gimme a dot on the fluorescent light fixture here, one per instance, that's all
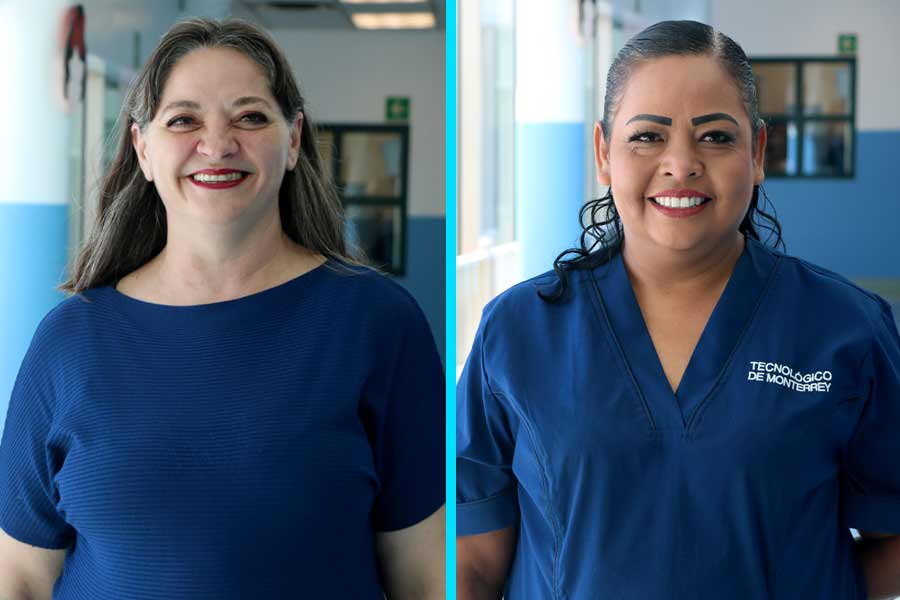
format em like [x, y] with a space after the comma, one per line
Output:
[406, 20]
[384, 1]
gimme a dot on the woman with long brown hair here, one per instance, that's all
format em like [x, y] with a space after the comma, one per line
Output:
[228, 406]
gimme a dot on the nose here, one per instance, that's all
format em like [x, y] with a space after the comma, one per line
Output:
[218, 142]
[681, 161]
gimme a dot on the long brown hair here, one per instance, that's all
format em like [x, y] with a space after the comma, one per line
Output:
[130, 227]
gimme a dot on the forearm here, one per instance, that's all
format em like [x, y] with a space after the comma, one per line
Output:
[431, 588]
[12, 585]
[432, 593]
[880, 560]
[13, 590]
[469, 586]
[418, 576]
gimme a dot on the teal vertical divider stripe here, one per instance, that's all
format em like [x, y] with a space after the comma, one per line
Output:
[33, 240]
[450, 362]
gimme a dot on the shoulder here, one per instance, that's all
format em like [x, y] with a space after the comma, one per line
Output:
[58, 335]
[66, 319]
[522, 314]
[528, 298]
[825, 292]
[374, 307]
[824, 307]
[365, 289]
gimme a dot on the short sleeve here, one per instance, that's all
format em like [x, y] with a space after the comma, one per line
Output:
[486, 488]
[872, 483]
[28, 460]
[408, 425]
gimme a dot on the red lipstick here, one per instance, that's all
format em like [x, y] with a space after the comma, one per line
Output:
[218, 185]
[680, 212]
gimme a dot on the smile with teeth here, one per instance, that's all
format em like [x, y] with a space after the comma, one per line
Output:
[205, 177]
[672, 202]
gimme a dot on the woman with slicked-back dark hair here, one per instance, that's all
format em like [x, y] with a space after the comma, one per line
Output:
[679, 409]
[228, 405]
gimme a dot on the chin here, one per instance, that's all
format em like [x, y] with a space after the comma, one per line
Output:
[222, 214]
[682, 241]
[678, 240]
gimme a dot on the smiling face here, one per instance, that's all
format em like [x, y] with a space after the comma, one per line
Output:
[680, 125]
[217, 112]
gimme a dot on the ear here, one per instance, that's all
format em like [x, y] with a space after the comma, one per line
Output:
[140, 148]
[294, 149]
[601, 155]
[759, 157]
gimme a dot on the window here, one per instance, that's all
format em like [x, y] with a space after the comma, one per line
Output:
[93, 144]
[369, 167]
[487, 259]
[487, 124]
[809, 106]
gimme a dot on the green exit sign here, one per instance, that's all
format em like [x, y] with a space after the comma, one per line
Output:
[396, 108]
[847, 43]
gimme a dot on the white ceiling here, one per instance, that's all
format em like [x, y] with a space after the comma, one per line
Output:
[319, 14]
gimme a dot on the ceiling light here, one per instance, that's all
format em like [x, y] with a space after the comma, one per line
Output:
[408, 20]
[384, 1]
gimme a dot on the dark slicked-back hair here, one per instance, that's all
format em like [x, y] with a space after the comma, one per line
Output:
[602, 234]
[130, 227]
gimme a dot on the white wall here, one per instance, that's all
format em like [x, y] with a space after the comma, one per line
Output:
[661, 10]
[111, 25]
[811, 27]
[346, 76]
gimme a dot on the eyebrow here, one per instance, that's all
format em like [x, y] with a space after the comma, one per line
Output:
[695, 121]
[243, 101]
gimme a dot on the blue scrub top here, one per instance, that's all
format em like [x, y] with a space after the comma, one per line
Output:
[784, 432]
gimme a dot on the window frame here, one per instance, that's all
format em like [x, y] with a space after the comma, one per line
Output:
[401, 201]
[801, 120]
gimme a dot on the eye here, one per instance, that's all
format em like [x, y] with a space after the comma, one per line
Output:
[180, 122]
[255, 118]
[646, 137]
[720, 137]
[643, 134]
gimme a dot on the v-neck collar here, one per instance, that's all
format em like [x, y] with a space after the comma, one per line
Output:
[732, 315]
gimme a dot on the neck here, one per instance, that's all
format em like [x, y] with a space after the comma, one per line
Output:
[215, 263]
[687, 274]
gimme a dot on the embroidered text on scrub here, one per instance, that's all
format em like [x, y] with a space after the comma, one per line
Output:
[770, 372]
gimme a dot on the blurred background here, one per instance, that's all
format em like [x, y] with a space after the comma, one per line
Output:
[532, 77]
[373, 76]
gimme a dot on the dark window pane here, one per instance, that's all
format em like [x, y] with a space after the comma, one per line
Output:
[826, 148]
[376, 230]
[826, 88]
[781, 148]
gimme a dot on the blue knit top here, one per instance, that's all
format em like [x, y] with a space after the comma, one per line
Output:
[242, 449]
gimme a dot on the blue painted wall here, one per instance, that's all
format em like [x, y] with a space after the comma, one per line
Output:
[425, 278]
[549, 191]
[849, 226]
[33, 241]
